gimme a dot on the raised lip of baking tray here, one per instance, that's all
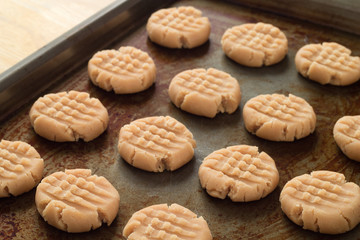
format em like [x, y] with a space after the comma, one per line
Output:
[40, 70]
[338, 14]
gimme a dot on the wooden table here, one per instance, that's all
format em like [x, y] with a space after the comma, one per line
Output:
[28, 25]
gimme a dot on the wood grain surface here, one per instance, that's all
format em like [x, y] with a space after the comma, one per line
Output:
[28, 25]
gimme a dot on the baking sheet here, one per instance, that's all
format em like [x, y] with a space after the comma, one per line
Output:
[339, 14]
[261, 219]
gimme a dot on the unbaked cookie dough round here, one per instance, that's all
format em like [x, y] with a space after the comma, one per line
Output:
[166, 222]
[255, 44]
[328, 63]
[205, 92]
[322, 202]
[156, 143]
[182, 27]
[277, 117]
[347, 136]
[68, 116]
[76, 201]
[240, 172]
[21, 168]
[127, 70]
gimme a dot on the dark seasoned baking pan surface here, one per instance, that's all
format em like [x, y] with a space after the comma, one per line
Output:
[262, 219]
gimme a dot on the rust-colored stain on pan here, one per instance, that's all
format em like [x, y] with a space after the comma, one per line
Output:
[261, 219]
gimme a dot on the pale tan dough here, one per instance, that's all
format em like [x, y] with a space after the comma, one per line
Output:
[347, 136]
[127, 70]
[277, 117]
[76, 201]
[156, 143]
[68, 116]
[182, 27]
[166, 222]
[21, 168]
[322, 202]
[240, 172]
[328, 63]
[255, 44]
[205, 92]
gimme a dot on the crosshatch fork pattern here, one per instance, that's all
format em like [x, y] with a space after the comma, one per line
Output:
[123, 62]
[156, 143]
[21, 168]
[258, 36]
[322, 202]
[156, 135]
[281, 107]
[350, 127]
[207, 82]
[317, 192]
[240, 165]
[239, 172]
[76, 201]
[15, 158]
[69, 108]
[78, 192]
[331, 55]
[183, 19]
[166, 222]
